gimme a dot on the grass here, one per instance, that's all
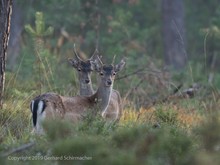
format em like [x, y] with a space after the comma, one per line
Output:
[185, 132]
[178, 131]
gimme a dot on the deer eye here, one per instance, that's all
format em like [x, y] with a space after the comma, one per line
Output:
[101, 73]
[113, 73]
[79, 69]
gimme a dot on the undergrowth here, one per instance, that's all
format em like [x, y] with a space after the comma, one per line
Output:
[175, 131]
[163, 134]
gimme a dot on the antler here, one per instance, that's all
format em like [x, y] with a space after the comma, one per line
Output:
[100, 61]
[96, 52]
[74, 50]
[113, 60]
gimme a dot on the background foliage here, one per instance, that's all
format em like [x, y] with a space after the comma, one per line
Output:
[156, 128]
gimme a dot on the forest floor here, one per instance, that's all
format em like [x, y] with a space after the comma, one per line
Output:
[185, 131]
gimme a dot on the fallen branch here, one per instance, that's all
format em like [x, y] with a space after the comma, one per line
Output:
[177, 94]
[130, 74]
[19, 149]
[140, 70]
[134, 88]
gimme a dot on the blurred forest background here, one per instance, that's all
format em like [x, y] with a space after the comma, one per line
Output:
[156, 37]
[171, 80]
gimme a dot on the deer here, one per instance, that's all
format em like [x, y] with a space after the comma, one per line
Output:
[84, 69]
[55, 106]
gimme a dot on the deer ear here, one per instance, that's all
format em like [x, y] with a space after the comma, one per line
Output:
[120, 66]
[73, 62]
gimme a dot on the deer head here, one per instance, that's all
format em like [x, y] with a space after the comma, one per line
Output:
[84, 67]
[107, 72]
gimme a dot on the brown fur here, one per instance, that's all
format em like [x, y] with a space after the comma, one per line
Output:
[66, 107]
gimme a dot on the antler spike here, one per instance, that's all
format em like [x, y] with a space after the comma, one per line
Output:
[74, 50]
[113, 60]
[95, 52]
[99, 60]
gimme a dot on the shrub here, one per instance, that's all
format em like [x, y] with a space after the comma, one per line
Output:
[167, 115]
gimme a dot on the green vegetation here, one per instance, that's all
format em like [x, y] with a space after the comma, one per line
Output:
[154, 129]
[99, 142]
[40, 69]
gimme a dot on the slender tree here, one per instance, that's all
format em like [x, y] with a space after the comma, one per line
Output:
[173, 31]
[5, 19]
[16, 29]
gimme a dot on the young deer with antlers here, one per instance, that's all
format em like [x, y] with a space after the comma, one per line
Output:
[84, 69]
[52, 105]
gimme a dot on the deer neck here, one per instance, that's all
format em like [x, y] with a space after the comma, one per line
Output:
[102, 97]
[86, 89]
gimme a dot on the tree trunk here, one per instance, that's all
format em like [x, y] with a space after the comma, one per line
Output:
[5, 19]
[17, 26]
[173, 31]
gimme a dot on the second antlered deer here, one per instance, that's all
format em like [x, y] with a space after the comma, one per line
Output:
[84, 69]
